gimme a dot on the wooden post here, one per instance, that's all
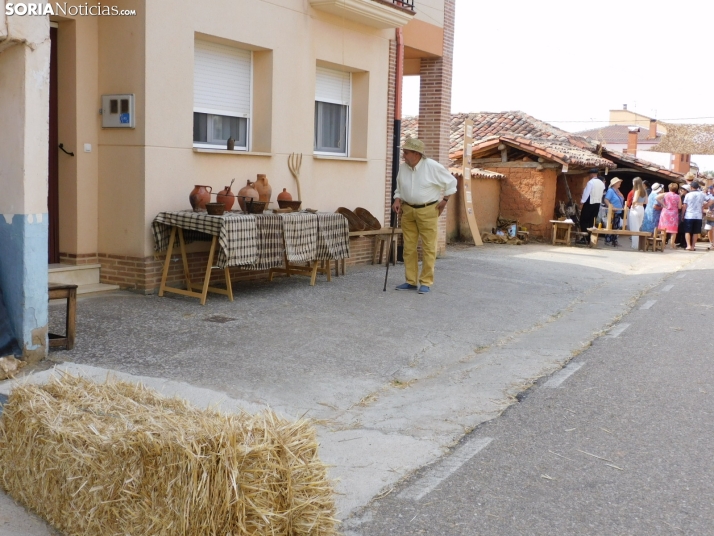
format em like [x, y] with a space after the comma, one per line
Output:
[467, 194]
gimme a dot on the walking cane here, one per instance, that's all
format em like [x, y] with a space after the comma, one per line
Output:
[389, 251]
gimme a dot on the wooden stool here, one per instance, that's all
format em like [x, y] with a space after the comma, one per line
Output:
[656, 241]
[561, 232]
[58, 291]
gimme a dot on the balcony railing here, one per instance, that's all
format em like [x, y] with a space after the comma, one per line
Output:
[406, 4]
[376, 13]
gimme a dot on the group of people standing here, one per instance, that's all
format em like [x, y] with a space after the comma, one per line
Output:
[681, 212]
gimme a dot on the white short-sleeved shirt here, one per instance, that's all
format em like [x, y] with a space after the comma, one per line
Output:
[695, 202]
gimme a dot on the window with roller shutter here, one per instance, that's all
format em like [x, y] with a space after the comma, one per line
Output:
[222, 85]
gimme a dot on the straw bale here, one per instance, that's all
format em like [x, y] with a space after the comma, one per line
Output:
[119, 459]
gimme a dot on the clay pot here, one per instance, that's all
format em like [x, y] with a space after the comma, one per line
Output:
[264, 189]
[247, 191]
[230, 144]
[200, 195]
[226, 196]
[285, 195]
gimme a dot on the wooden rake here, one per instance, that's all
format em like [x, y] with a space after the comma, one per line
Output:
[294, 164]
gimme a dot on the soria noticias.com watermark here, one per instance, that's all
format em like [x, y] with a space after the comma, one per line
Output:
[86, 9]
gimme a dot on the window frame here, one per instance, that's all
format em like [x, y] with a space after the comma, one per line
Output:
[348, 122]
[347, 131]
[218, 112]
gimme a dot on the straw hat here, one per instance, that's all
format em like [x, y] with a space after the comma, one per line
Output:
[413, 144]
[656, 187]
[689, 177]
[615, 181]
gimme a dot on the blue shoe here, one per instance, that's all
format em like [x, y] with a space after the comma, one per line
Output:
[423, 289]
[406, 286]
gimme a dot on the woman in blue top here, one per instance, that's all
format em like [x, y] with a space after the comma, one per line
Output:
[613, 198]
[653, 210]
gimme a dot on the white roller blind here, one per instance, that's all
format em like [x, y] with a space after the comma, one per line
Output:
[333, 86]
[221, 79]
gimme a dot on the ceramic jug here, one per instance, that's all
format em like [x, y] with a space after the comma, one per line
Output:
[264, 189]
[226, 196]
[200, 195]
[285, 195]
[247, 191]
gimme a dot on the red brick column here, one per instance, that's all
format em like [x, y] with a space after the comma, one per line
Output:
[435, 105]
[390, 131]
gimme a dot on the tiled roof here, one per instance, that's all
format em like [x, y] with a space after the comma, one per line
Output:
[519, 130]
[477, 173]
[618, 134]
[513, 123]
[625, 160]
[687, 139]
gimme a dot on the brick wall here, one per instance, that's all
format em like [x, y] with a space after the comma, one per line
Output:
[435, 104]
[144, 274]
[78, 259]
[391, 95]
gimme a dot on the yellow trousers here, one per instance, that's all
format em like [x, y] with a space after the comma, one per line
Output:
[419, 223]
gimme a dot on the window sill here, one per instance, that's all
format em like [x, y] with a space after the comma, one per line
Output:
[343, 158]
[232, 153]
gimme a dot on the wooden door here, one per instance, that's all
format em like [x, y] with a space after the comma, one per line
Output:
[53, 156]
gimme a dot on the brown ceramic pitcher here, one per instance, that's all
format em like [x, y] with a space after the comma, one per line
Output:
[200, 195]
[226, 196]
[264, 189]
[247, 191]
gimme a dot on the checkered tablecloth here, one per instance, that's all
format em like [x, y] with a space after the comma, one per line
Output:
[257, 242]
[333, 236]
[237, 234]
[300, 232]
[270, 242]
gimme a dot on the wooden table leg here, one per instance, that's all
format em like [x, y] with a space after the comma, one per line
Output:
[313, 277]
[167, 262]
[229, 287]
[593, 240]
[71, 317]
[207, 278]
[186, 272]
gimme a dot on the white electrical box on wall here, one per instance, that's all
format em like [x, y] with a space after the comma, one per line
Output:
[118, 111]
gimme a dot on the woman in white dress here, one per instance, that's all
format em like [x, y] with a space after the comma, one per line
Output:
[637, 212]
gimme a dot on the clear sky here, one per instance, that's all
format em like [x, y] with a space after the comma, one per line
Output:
[568, 62]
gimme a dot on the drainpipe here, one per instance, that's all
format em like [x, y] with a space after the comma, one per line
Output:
[397, 135]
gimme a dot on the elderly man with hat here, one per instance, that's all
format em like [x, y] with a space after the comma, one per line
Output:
[421, 183]
[592, 197]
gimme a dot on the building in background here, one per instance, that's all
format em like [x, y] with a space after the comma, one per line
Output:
[144, 102]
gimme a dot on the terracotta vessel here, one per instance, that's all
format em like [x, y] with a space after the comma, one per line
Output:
[285, 195]
[200, 195]
[247, 191]
[264, 189]
[226, 196]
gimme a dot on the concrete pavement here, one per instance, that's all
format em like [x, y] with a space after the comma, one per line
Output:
[617, 442]
[394, 378]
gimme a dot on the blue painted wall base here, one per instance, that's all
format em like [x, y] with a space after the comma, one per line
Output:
[23, 280]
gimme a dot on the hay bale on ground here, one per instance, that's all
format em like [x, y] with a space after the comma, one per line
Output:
[119, 459]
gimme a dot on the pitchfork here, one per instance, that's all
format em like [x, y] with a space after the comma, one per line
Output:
[294, 163]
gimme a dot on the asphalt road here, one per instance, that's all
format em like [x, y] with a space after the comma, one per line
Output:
[617, 443]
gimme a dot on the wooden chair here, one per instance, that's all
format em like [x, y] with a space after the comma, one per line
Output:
[656, 241]
[58, 291]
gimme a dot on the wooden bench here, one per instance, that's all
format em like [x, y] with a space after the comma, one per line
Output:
[595, 232]
[58, 291]
[381, 237]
